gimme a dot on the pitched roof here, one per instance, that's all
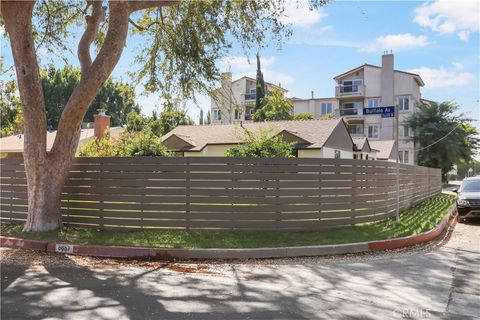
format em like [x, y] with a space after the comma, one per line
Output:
[314, 132]
[384, 147]
[361, 143]
[267, 83]
[415, 75]
[15, 143]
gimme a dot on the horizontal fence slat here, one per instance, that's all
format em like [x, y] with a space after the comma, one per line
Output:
[224, 193]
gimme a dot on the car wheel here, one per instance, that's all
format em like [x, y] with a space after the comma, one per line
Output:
[460, 219]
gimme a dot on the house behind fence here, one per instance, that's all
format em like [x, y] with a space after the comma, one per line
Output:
[224, 193]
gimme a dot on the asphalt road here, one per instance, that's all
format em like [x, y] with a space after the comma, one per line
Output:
[437, 281]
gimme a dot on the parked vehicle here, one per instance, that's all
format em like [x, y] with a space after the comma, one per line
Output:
[468, 199]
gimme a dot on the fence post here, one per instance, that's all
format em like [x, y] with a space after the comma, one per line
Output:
[278, 204]
[187, 193]
[101, 191]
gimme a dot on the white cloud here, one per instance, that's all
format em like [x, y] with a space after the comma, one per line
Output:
[396, 42]
[442, 77]
[458, 65]
[241, 66]
[298, 14]
[448, 17]
[464, 35]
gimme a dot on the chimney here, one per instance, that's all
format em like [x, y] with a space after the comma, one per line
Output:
[387, 95]
[387, 80]
[101, 124]
[312, 94]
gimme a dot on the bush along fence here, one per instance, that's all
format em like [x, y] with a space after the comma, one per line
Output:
[225, 193]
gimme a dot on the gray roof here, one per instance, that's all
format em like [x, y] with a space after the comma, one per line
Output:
[385, 148]
[14, 143]
[314, 132]
[361, 143]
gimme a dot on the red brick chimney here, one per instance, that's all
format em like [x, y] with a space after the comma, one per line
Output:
[101, 124]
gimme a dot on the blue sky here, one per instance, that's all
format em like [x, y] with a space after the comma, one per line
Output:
[437, 39]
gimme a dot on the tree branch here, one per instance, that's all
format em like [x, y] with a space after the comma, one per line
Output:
[133, 23]
[17, 16]
[66, 140]
[139, 5]
[93, 21]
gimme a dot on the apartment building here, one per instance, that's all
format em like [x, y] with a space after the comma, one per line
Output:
[234, 101]
[359, 91]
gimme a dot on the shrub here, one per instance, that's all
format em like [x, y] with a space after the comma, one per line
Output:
[262, 144]
[105, 147]
[144, 144]
[303, 116]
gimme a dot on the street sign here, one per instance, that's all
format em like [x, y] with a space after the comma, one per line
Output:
[386, 112]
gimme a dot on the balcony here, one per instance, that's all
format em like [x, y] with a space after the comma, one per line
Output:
[355, 90]
[250, 96]
[350, 111]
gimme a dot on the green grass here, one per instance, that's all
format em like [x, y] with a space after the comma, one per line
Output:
[418, 219]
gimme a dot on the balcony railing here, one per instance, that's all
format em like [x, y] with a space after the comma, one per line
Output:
[250, 96]
[350, 111]
[348, 91]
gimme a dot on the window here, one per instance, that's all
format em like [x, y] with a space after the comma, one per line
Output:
[253, 90]
[374, 131]
[349, 109]
[403, 103]
[355, 128]
[337, 154]
[217, 115]
[403, 156]
[403, 131]
[326, 108]
[374, 103]
[351, 85]
[238, 114]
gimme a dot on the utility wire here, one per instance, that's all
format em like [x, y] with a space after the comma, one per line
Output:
[416, 150]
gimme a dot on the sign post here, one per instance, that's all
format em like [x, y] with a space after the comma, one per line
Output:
[398, 165]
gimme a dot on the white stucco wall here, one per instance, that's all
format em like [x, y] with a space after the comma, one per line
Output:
[310, 153]
[372, 81]
[210, 151]
[313, 106]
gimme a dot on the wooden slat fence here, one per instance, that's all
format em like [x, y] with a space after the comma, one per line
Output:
[224, 193]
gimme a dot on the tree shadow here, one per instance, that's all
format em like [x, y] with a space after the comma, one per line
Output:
[376, 288]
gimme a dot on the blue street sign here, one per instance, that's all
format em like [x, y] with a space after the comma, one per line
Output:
[386, 112]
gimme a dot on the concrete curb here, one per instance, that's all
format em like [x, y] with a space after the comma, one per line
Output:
[415, 239]
[182, 253]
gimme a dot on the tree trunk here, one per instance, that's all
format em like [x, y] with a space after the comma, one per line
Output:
[47, 172]
[44, 192]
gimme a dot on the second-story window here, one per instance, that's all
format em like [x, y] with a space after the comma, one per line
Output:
[326, 108]
[403, 131]
[251, 94]
[217, 115]
[403, 103]
[374, 103]
[355, 128]
[351, 85]
[374, 131]
[238, 114]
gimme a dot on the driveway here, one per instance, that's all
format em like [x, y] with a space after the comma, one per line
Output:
[437, 281]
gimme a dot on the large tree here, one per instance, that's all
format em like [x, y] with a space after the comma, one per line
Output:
[260, 90]
[441, 137]
[275, 107]
[11, 117]
[181, 41]
[117, 98]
